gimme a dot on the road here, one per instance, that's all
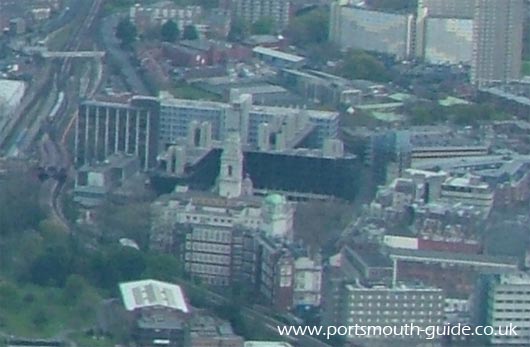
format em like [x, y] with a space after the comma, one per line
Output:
[120, 57]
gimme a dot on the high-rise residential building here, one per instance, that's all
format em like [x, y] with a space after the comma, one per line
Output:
[252, 10]
[354, 27]
[497, 41]
[447, 40]
[501, 300]
[447, 8]
[428, 32]
[486, 34]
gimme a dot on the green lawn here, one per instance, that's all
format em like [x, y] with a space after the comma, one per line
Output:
[526, 68]
[82, 339]
[44, 312]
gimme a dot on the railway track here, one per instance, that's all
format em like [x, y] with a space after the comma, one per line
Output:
[54, 159]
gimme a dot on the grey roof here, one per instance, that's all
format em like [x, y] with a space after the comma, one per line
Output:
[371, 257]
[477, 259]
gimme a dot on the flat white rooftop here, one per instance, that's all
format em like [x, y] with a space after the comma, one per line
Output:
[519, 278]
[152, 293]
[10, 89]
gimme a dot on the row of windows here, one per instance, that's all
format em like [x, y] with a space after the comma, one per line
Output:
[512, 301]
[500, 292]
[209, 258]
[208, 269]
[208, 247]
[204, 219]
[395, 313]
[387, 321]
[512, 319]
[394, 304]
[396, 297]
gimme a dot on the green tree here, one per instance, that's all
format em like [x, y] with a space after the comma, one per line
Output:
[129, 263]
[49, 226]
[309, 28]
[169, 31]
[126, 32]
[263, 26]
[19, 204]
[238, 30]
[190, 33]
[52, 267]
[125, 221]
[162, 267]
[361, 65]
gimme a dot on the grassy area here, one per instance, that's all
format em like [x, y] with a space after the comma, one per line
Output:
[526, 68]
[83, 339]
[44, 312]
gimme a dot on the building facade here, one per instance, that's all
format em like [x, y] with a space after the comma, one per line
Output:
[468, 191]
[103, 129]
[501, 300]
[155, 15]
[349, 304]
[497, 41]
[177, 116]
[377, 31]
[252, 10]
[448, 41]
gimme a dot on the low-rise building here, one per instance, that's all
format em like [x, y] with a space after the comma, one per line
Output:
[454, 272]
[197, 53]
[94, 182]
[208, 331]
[369, 263]
[278, 58]
[468, 190]
[160, 310]
[350, 303]
[146, 16]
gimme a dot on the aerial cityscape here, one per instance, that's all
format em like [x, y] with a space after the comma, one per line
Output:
[264, 173]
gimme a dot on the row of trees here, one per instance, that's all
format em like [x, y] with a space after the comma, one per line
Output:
[240, 29]
[464, 115]
[127, 32]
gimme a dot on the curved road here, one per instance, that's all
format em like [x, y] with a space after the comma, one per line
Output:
[119, 56]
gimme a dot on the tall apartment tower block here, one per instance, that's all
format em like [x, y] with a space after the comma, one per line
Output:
[497, 41]
[497, 34]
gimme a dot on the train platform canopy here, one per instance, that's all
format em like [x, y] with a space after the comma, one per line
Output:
[151, 294]
[11, 92]
[266, 344]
